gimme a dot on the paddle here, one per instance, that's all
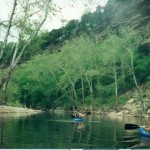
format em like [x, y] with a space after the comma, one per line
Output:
[131, 126]
[88, 113]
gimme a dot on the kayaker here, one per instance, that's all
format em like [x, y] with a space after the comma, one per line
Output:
[77, 114]
[146, 128]
[81, 115]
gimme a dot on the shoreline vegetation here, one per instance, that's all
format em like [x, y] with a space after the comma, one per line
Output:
[131, 109]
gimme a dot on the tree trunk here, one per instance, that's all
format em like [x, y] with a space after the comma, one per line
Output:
[74, 90]
[82, 85]
[8, 29]
[71, 82]
[7, 75]
[122, 71]
[92, 98]
[90, 83]
[135, 80]
[83, 96]
[3, 99]
[139, 91]
[15, 53]
[116, 85]
[5, 84]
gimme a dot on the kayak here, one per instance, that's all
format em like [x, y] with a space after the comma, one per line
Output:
[143, 132]
[78, 119]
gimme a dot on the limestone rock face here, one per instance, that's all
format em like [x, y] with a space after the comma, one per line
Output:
[148, 111]
[131, 101]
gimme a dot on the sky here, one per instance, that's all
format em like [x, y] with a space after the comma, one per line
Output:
[74, 10]
[68, 10]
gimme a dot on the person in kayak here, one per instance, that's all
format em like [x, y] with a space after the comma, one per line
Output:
[80, 115]
[146, 128]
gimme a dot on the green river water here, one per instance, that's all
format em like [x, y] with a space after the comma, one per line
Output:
[59, 131]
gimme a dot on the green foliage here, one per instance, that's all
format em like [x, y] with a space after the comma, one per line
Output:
[8, 54]
[142, 68]
[84, 69]
[55, 80]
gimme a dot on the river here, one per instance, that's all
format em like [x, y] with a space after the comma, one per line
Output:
[59, 131]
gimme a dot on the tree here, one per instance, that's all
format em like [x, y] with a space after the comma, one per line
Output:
[112, 47]
[131, 43]
[8, 29]
[26, 32]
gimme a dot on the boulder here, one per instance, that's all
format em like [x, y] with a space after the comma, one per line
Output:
[131, 101]
[148, 111]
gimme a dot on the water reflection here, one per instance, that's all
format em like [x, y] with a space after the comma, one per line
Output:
[138, 142]
[77, 132]
[1, 132]
[133, 139]
[60, 131]
[130, 139]
[144, 142]
[79, 126]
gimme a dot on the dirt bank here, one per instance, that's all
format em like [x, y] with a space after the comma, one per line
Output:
[18, 110]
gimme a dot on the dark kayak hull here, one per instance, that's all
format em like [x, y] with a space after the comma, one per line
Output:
[78, 119]
[143, 132]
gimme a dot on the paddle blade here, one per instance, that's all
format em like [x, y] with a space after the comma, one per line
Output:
[88, 113]
[131, 126]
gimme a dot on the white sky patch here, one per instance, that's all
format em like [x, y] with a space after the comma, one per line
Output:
[69, 10]
[5, 9]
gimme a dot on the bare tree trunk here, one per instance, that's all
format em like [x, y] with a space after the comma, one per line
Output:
[71, 82]
[3, 99]
[9, 71]
[90, 83]
[82, 85]
[135, 80]
[83, 96]
[92, 98]
[122, 70]
[139, 90]
[8, 29]
[73, 87]
[15, 53]
[116, 85]
[53, 75]
[4, 86]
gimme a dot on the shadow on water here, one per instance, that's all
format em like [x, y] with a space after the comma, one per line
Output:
[129, 139]
[132, 139]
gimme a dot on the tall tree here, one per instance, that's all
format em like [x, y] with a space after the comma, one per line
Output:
[26, 33]
[8, 29]
[131, 42]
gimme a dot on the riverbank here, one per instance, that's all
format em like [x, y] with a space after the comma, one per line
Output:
[131, 108]
[17, 110]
